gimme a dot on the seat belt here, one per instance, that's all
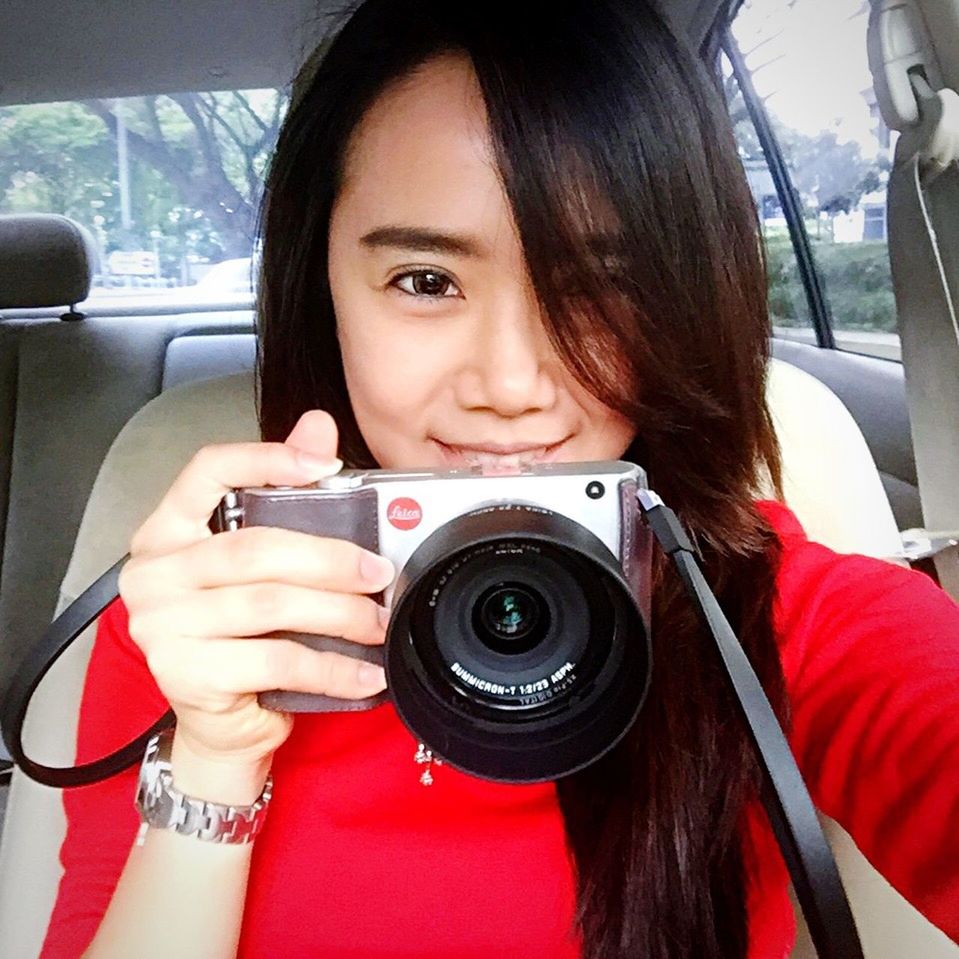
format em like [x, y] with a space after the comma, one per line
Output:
[923, 217]
[923, 198]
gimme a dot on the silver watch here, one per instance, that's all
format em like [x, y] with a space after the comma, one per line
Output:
[162, 806]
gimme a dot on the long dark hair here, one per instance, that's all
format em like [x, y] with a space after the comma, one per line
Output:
[604, 123]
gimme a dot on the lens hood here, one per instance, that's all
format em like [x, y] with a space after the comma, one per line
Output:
[542, 706]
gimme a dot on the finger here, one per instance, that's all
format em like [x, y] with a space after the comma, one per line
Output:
[315, 433]
[263, 554]
[267, 607]
[220, 670]
[185, 510]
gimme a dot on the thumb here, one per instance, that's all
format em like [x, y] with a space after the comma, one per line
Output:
[315, 433]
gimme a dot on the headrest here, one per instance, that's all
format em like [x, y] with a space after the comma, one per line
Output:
[45, 260]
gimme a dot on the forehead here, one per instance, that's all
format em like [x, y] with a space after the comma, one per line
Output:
[421, 156]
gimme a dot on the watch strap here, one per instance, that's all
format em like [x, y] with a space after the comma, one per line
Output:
[163, 806]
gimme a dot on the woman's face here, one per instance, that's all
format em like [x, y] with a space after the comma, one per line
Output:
[446, 357]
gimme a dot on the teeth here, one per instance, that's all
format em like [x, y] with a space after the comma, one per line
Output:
[509, 460]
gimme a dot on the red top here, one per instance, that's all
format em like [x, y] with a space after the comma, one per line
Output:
[382, 866]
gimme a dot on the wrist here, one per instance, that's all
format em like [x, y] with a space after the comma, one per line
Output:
[231, 781]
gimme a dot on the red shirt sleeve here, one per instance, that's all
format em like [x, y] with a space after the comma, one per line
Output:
[120, 701]
[871, 658]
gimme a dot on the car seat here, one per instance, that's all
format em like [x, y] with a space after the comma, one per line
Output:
[831, 483]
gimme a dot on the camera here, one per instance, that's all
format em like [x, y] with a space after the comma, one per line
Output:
[518, 644]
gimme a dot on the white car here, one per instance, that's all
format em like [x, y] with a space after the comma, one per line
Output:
[226, 278]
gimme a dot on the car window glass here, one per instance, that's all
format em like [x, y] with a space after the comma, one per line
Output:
[807, 60]
[167, 185]
[788, 305]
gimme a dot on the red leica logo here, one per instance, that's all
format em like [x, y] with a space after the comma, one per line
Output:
[404, 513]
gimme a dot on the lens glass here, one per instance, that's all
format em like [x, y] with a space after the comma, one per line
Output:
[507, 614]
[509, 624]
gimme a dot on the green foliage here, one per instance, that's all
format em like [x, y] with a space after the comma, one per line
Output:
[196, 163]
[857, 281]
[53, 158]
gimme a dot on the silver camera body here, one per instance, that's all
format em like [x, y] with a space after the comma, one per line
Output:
[407, 506]
[495, 570]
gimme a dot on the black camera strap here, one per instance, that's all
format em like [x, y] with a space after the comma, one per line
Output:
[38, 662]
[788, 805]
[787, 802]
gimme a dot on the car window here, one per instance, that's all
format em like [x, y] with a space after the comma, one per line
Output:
[807, 62]
[167, 185]
[788, 305]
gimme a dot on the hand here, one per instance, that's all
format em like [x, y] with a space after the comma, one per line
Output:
[195, 598]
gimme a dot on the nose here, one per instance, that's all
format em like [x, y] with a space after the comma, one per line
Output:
[510, 365]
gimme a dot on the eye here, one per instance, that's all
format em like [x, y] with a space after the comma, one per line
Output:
[427, 284]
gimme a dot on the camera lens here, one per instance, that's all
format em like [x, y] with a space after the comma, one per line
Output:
[510, 618]
[516, 647]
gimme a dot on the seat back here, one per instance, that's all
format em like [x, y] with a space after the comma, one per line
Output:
[67, 387]
[142, 463]
[831, 484]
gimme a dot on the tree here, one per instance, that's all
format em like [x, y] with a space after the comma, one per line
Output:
[196, 167]
[830, 177]
[833, 175]
[755, 50]
[214, 160]
[53, 157]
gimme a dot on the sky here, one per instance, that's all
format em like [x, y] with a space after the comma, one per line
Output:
[815, 67]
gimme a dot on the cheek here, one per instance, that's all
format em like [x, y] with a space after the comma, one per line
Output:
[609, 433]
[611, 436]
[393, 374]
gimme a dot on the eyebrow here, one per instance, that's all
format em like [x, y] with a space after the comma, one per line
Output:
[422, 240]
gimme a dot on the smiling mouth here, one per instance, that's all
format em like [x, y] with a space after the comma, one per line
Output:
[491, 457]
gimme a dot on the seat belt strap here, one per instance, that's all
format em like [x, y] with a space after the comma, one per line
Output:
[923, 213]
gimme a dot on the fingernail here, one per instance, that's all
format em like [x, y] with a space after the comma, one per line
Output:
[383, 613]
[316, 466]
[376, 569]
[371, 676]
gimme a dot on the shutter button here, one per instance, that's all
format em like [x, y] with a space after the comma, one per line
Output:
[342, 481]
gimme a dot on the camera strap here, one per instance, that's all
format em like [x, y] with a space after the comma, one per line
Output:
[40, 659]
[787, 802]
[38, 662]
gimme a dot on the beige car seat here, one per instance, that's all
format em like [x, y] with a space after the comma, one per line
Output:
[831, 483]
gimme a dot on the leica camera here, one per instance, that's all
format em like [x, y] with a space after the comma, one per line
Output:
[518, 645]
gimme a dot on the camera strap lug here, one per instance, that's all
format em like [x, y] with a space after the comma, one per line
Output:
[228, 516]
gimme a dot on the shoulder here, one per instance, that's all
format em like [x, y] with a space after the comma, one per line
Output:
[870, 653]
[840, 598]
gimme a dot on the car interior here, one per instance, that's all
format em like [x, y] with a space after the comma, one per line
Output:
[103, 401]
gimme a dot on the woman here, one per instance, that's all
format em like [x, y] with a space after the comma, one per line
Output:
[506, 233]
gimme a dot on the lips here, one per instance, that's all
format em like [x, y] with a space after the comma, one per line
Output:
[491, 456]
